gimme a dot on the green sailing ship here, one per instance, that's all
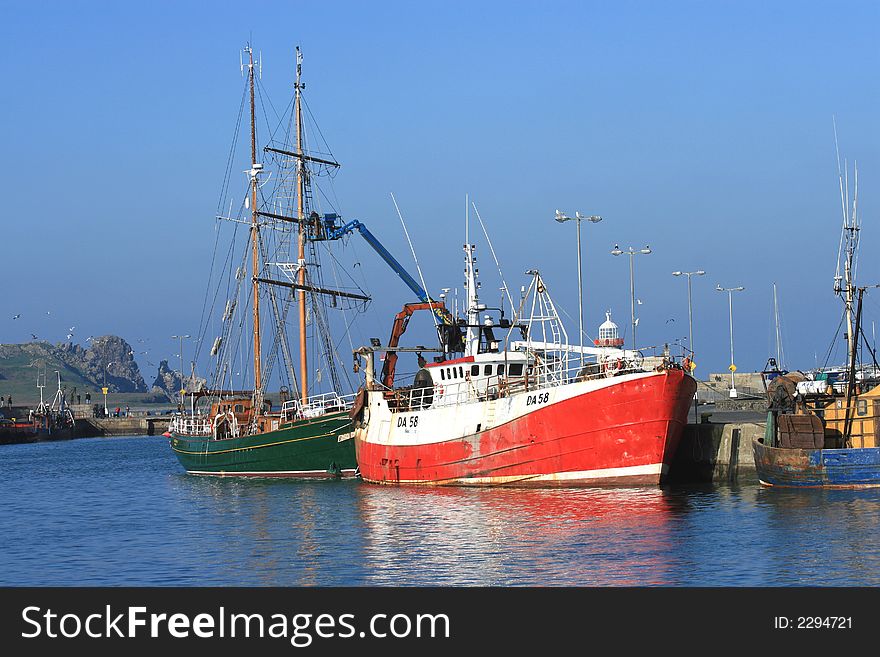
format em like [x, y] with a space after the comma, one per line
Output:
[224, 427]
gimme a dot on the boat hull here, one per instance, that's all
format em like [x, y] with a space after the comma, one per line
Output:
[617, 432]
[857, 467]
[313, 448]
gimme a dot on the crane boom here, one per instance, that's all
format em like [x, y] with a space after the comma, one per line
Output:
[334, 229]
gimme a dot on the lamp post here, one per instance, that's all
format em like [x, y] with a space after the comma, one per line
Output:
[632, 289]
[181, 338]
[104, 388]
[699, 272]
[732, 368]
[562, 218]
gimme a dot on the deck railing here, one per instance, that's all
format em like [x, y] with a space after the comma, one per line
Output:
[190, 425]
[538, 377]
[316, 406]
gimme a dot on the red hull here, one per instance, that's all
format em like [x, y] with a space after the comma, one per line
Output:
[625, 433]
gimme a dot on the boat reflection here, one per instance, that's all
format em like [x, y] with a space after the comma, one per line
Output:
[535, 537]
[270, 532]
[802, 542]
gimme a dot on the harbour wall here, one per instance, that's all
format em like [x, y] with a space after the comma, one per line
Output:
[711, 452]
[90, 427]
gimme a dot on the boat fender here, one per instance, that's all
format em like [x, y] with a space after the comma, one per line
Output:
[360, 401]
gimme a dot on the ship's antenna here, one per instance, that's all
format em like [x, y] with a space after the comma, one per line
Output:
[494, 257]
[837, 277]
[412, 249]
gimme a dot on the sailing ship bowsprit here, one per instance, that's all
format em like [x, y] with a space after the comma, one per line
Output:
[231, 429]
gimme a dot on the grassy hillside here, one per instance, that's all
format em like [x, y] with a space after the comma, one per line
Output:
[19, 367]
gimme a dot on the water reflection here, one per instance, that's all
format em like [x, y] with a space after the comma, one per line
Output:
[584, 537]
[821, 535]
[122, 512]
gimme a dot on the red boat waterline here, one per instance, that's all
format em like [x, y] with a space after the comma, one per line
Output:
[621, 434]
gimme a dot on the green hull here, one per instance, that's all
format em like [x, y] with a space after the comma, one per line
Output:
[318, 447]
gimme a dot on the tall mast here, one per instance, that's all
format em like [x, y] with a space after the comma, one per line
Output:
[301, 251]
[255, 231]
[776, 317]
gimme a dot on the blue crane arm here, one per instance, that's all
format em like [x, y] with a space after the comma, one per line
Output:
[411, 283]
[398, 269]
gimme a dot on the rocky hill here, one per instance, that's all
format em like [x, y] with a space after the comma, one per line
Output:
[168, 382]
[78, 367]
[110, 352]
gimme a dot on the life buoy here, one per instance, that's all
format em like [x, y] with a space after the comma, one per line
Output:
[612, 366]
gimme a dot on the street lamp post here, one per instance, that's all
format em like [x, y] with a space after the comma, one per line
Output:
[632, 286]
[182, 389]
[699, 272]
[104, 388]
[732, 368]
[562, 218]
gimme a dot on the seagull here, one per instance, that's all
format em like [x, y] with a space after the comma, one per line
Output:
[69, 335]
[16, 316]
[33, 337]
[71, 329]
[671, 319]
[48, 312]
[90, 338]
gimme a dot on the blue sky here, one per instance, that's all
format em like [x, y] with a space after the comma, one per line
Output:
[702, 129]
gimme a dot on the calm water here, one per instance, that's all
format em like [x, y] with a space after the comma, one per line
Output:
[122, 512]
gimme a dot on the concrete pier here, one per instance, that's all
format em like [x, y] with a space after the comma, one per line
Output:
[88, 427]
[716, 452]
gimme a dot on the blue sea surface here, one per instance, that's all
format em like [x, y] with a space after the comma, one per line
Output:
[121, 511]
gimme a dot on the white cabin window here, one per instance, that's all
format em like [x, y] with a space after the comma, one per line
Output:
[475, 370]
[442, 374]
[516, 369]
[487, 370]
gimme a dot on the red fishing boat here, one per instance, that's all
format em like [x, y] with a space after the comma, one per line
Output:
[526, 409]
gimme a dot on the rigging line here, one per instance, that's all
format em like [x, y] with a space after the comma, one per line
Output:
[335, 261]
[317, 127]
[278, 117]
[494, 257]
[344, 317]
[418, 268]
[224, 188]
[230, 158]
[227, 267]
[833, 342]
[281, 340]
[263, 98]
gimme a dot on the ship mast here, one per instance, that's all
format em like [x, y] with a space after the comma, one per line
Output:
[255, 231]
[301, 244]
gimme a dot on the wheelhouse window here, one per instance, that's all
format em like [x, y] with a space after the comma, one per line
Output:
[516, 369]
[475, 370]
[442, 374]
[487, 370]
